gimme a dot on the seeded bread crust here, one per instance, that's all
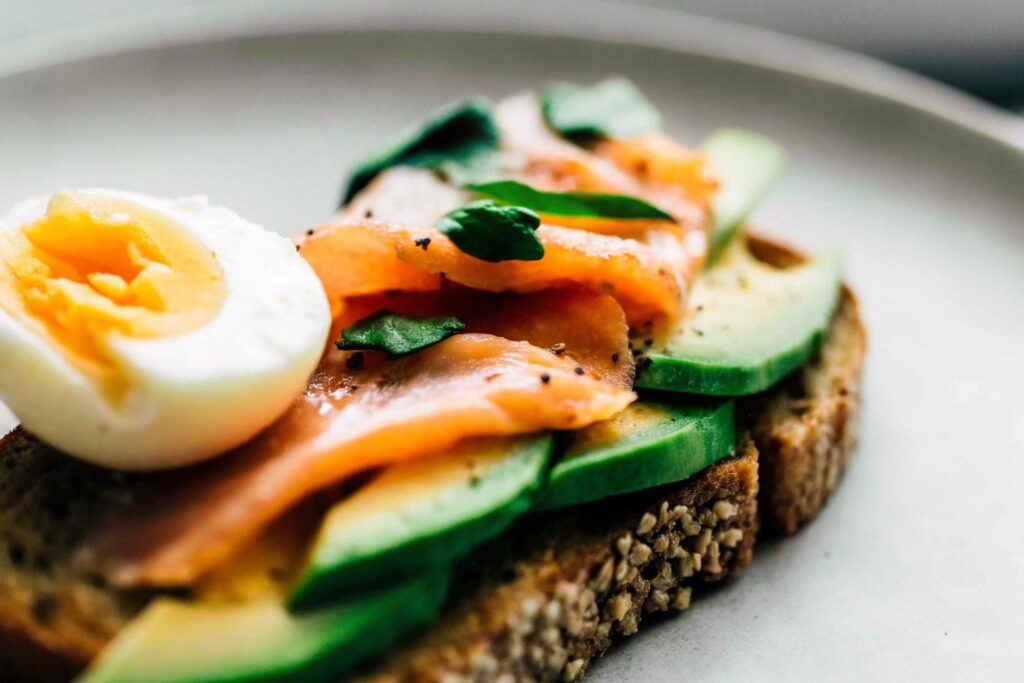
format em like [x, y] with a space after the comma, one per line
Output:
[547, 598]
[538, 604]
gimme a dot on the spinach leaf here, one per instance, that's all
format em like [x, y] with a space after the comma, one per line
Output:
[397, 334]
[586, 204]
[611, 108]
[454, 132]
[494, 233]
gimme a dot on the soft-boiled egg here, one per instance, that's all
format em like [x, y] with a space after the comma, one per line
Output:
[145, 333]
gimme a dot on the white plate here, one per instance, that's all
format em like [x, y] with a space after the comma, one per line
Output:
[916, 567]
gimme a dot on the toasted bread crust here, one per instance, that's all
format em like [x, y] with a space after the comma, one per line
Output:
[545, 600]
[805, 428]
[541, 602]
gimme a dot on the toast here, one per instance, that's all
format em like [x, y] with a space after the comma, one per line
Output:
[541, 602]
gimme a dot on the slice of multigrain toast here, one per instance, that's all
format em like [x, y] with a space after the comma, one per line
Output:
[540, 603]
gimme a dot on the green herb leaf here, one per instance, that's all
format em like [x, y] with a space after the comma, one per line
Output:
[494, 233]
[586, 204]
[611, 108]
[397, 334]
[456, 131]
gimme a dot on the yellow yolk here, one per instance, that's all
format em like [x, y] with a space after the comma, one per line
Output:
[97, 267]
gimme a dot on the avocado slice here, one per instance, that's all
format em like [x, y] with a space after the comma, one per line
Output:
[192, 642]
[748, 325]
[648, 444]
[747, 165]
[422, 513]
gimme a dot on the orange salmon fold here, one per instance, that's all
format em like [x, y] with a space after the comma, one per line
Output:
[362, 412]
[645, 272]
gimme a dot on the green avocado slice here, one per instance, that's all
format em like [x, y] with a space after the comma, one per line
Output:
[747, 165]
[646, 445]
[193, 642]
[748, 325]
[420, 514]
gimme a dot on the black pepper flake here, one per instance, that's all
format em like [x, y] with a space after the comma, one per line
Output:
[16, 552]
[474, 481]
[369, 213]
[443, 275]
[43, 607]
[648, 343]
[646, 362]
[298, 246]
[699, 333]
[700, 308]
[356, 361]
[579, 370]
[545, 378]
[615, 358]
[635, 352]
[423, 243]
[310, 231]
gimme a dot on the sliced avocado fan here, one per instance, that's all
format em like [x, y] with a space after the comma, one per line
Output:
[646, 445]
[747, 165]
[203, 642]
[420, 514]
[748, 325]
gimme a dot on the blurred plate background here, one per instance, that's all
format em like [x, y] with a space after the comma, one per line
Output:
[916, 568]
[973, 44]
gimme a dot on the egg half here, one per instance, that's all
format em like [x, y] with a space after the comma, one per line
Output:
[144, 333]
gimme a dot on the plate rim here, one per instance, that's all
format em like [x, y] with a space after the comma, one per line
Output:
[606, 21]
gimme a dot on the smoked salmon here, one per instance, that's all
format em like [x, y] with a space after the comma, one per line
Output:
[646, 273]
[545, 343]
[363, 411]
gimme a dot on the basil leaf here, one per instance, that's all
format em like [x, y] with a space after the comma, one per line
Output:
[494, 233]
[396, 334]
[456, 131]
[586, 204]
[612, 108]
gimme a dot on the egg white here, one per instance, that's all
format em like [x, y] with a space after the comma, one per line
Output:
[192, 395]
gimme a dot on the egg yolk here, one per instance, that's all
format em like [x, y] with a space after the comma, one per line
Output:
[94, 268]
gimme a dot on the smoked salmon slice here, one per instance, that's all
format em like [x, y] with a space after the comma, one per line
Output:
[363, 411]
[387, 232]
[646, 273]
[652, 166]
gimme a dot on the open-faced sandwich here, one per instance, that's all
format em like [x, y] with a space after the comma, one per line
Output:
[532, 383]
